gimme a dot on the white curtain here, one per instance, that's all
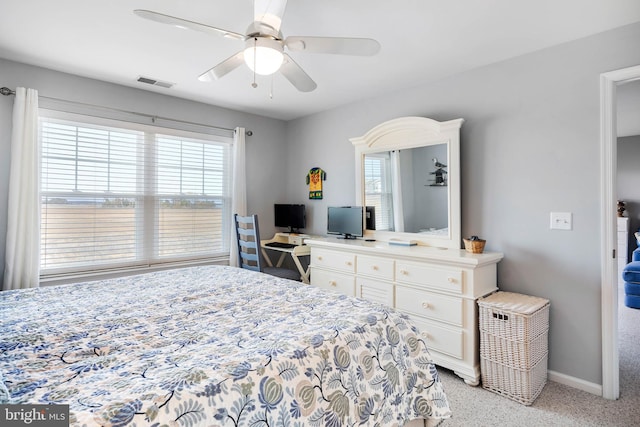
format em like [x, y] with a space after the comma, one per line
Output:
[239, 190]
[398, 211]
[22, 258]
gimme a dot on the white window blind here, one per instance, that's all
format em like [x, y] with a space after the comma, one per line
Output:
[377, 181]
[116, 197]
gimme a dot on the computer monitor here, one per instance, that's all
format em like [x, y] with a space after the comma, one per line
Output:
[347, 221]
[290, 216]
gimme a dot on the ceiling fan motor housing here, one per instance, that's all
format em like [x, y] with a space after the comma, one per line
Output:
[263, 54]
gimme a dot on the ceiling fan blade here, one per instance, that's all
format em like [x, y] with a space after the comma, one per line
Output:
[223, 68]
[336, 45]
[269, 12]
[296, 75]
[183, 23]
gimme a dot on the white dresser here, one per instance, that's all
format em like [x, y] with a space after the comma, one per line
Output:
[437, 288]
[623, 245]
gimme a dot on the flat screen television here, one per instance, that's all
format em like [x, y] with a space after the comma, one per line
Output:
[292, 217]
[347, 221]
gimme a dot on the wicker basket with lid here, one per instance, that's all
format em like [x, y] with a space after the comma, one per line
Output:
[514, 344]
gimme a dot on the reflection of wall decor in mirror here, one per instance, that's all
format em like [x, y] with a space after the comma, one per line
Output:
[391, 161]
[439, 175]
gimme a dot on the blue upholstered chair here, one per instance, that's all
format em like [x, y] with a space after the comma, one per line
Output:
[635, 256]
[631, 277]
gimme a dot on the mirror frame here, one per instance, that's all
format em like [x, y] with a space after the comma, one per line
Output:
[412, 132]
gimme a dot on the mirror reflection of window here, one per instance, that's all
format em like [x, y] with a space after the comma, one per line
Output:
[401, 186]
[378, 188]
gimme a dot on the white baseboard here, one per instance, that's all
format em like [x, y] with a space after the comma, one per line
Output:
[575, 383]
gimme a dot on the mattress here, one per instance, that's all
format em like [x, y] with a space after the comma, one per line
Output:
[214, 346]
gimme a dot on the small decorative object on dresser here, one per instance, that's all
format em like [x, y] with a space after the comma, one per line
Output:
[474, 244]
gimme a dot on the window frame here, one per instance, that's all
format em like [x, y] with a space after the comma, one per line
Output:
[170, 129]
[384, 212]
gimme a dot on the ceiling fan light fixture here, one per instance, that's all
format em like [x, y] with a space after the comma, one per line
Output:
[263, 56]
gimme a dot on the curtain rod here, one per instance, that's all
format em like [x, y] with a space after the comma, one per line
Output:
[7, 92]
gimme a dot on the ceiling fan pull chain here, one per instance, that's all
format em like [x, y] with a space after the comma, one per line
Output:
[271, 89]
[255, 42]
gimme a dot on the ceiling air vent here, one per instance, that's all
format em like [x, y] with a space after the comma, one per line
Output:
[154, 82]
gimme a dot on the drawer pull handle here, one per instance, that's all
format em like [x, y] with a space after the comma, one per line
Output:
[405, 272]
[451, 280]
[319, 258]
[426, 335]
[375, 267]
[349, 263]
[333, 283]
[425, 305]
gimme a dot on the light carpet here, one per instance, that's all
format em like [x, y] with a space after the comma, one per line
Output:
[557, 405]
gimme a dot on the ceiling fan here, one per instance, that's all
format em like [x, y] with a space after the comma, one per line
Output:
[264, 44]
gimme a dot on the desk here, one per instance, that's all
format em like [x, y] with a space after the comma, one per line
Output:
[296, 252]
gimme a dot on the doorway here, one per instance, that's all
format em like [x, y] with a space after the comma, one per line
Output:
[609, 276]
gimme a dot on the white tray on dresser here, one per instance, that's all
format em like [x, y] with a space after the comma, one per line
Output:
[436, 287]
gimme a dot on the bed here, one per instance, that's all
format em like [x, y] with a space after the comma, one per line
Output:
[435, 231]
[214, 346]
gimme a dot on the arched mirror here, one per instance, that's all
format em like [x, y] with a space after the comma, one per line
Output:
[408, 177]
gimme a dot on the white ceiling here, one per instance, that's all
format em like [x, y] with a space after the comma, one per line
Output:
[422, 41]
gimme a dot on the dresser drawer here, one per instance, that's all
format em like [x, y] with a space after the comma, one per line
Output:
[444, 279]
[335, 281]
[373, 290]
[333, 259]
[378, 267]
[428, 304]
[440, 338]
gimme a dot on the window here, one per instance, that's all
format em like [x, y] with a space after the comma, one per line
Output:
[121, 195]
[377, 182]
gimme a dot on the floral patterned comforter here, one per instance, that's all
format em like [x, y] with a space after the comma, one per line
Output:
[214, 346]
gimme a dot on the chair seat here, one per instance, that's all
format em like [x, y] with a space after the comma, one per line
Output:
[632, 288]
[632, 301]
[631, 277]
[631, 272]
[284, 273]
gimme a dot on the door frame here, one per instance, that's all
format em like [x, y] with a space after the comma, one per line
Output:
[609, 274]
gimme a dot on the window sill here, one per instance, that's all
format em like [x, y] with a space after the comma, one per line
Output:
[85, 276]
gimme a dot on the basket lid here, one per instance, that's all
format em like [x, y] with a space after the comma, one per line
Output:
[511, 301]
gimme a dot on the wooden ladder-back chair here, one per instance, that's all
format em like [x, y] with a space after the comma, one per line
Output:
[249, 254]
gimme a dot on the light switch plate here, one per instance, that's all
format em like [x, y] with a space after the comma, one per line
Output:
[561, 221]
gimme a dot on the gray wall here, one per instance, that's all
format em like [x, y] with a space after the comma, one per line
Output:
[530, 146]
[264, 150]
[628, 108]
[629, 182]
